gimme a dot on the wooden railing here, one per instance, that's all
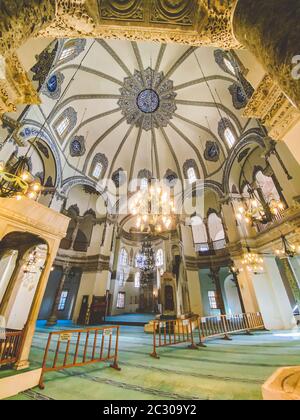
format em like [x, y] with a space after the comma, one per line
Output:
[10, 347]
[174, 332]
[75, 348]
[225, 325]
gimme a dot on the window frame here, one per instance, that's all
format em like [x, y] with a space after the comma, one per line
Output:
[63, 300]
[212, 299]
[123, 294]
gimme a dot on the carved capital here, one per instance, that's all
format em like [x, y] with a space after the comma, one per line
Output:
[269, 104]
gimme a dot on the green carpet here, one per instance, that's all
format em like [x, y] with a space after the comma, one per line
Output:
[224, 370]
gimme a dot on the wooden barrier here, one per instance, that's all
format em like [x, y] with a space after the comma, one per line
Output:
[10, 347]
[225, 325]
[77, 348]
[173, 332]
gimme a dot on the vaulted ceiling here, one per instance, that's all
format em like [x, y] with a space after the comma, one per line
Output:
[122, 97]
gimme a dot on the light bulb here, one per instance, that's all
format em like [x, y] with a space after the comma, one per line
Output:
[25, 176]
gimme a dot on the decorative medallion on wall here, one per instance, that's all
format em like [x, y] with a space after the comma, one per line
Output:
[180, 12]
[148, 99]
[238, 94]
[212, 151]
[77, 146]
[170, 178]
[130, 10]
[119, 177]
[168, 12]
[44, 64]
[52, 86]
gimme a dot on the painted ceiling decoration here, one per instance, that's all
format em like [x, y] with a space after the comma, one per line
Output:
[148, 99]
[141, 109]
[53, 84]
[180, 12]
[77, 146]
[212, 151]
[239, 97]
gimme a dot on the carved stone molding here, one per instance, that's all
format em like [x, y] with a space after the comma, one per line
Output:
[16, 88]
[270, 104]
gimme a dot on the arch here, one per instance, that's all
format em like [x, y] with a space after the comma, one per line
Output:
[252, 138]
[199, 230]
[31, 131]
[215, 227]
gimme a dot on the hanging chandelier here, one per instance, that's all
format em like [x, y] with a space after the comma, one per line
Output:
[146, 258]
[253, 262]
[288, 249]
[16, 181]
[153, 209]
[252, 209]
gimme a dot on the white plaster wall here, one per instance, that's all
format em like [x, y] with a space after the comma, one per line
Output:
[272, 298]
[21, 307]
[7, 265]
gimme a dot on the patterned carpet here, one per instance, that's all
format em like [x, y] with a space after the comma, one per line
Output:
[224, 370]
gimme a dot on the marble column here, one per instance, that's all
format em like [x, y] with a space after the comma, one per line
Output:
[270, 30]
[215, 275]
[52, 320]
[29, 329]
[12, 288]
[289, 275]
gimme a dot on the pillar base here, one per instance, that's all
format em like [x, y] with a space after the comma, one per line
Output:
[22, 365]
[51, 322]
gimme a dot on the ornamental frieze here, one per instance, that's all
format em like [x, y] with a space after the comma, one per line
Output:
[273, 108]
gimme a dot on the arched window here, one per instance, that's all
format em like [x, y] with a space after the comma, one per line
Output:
[144, 183]
[160, 258]
[65, 123]
[215, 227]
[99, 166]
[267, 186]
[191, 175]
[199, 230]
[229, 65]
[123, 257]
[72, 49]
[137, 280]
[229, 137]
[121, 278]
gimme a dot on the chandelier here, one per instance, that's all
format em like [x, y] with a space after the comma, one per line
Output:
[288, 249]
[153, 208]
[252, 210]
[146, 258]
[16, 181]
[253, 262]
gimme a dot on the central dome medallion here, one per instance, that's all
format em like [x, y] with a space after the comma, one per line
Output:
[148, 99]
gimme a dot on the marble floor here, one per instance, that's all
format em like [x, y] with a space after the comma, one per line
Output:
[224, 370]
